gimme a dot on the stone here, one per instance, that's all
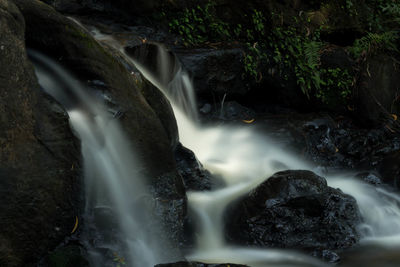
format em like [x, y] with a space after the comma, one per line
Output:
[40, 177]
[295, 209]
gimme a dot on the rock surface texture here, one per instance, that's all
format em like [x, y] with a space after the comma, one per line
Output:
[39, 156]
[295, 209]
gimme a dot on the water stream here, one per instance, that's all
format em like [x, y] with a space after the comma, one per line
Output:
[244, 159]
[240, 155]
[113, 185]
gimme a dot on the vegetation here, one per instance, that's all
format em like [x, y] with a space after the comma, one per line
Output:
[200, 24]
[295, 48]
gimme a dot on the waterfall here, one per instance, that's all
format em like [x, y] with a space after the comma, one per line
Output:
[114, 188]
[241, 156]
[244, 159]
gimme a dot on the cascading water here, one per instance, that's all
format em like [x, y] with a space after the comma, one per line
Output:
[114, 187]
[244, 159]
[239, 155]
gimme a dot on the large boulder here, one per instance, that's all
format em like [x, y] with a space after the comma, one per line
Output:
[295, 209]
[59, 37]
[39, 156]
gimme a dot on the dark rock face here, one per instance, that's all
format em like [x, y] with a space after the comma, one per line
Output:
[377, 95]
[39, 156]
[197, 264]
[295, 209]
[211, 76]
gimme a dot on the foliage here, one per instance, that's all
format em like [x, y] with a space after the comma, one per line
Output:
[294, 48]
[119, 261]
[200, 24]
[374, 42]
[384, 14]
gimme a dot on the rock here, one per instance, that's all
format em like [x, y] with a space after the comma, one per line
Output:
[55, 35]
[377, 94]
[390, 169]
[40, 181]
[231, 110]
[340, 143]
[295, 209]
[206, 108]
[369, 177]
[211, 76]
[327, 255]
[195, 177]
[197, 264]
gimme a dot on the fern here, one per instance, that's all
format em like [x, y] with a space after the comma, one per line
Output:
[375, 42]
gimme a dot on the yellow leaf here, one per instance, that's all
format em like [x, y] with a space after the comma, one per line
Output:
[394, 117]
[336, 149]
[76, 225]
[248, 121]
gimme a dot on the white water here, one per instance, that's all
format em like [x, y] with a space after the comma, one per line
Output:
[244, 159]
[112, 182]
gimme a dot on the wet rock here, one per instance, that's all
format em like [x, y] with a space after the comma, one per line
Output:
[327, 255]
[295, 209]
[340, 143]
[195, 177]
[197, 264]
[232, 110]
[40, 179]
[369, 177]
[59, 37]
[205, 109]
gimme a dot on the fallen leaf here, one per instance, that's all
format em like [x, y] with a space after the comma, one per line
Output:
[394, 116]
[76, 225]
[248, 121]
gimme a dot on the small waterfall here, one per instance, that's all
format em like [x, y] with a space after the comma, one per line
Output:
[116, 195]
[239, 155]
[244, 159]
